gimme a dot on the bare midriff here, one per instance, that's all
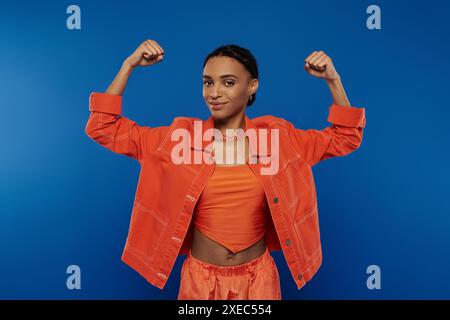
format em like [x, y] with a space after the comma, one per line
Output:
[209, 251]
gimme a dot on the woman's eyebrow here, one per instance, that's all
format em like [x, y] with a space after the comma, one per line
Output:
[223, 76]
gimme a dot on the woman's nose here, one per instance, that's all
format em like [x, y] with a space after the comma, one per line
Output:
[214, 94]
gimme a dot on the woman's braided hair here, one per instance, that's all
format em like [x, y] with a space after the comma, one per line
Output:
[244, 56]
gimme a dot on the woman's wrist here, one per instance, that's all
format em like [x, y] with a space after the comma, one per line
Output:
[126, 66]
[338, 92]
[334, 81]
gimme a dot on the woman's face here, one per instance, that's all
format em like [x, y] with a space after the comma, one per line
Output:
[226, 81]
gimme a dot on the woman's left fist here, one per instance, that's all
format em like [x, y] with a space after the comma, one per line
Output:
[320, 65]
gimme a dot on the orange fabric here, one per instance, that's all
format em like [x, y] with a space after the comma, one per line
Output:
[257, 279]
[232, 208]
[160, 227]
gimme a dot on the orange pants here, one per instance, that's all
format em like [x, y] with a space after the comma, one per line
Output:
[257, 279]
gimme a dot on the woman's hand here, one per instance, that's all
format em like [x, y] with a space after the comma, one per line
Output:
[148, 53]
[320, 65]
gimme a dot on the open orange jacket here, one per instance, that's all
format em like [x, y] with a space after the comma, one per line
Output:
[160, 228]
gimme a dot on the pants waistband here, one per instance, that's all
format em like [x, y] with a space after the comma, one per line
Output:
[240, 269]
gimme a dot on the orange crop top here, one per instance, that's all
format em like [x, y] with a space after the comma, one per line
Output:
[232, 208]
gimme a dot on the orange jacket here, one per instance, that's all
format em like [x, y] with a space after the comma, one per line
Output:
[160, 228]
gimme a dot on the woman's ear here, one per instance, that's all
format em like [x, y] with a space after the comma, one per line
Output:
[253, 86]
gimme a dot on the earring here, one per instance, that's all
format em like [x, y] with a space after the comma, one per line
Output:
[251, 98]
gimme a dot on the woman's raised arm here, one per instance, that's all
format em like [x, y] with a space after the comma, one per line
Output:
[107, 126]
[147, 54]
[346, 132]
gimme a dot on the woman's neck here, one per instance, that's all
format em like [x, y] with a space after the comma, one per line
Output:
[232, 124]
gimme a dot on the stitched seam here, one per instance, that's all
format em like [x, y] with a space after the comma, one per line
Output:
[189, 168]
[297, 157]
[157, 245]
[151, 212]
[285, 198]
[104, 134]
[162, 151]
[305, 189]
[297, 197]
[137, 255]
[158, 241]
[294, 200]
[299, 237]
[313, 262]
[139, 251]
[164, 140]
[301, 240]
[309, 214]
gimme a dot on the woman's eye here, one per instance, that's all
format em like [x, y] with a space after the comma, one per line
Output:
[228, 83]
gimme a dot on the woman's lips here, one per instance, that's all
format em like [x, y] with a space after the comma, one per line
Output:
[218, 106]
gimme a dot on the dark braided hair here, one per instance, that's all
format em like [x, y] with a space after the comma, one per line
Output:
[244, 56]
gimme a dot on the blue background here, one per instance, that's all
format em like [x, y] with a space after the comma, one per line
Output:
[65, 200]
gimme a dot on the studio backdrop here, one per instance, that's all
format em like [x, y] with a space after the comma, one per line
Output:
[66, 202]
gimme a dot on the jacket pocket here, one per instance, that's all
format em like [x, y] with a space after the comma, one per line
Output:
[147, 228]
[307, 229]
[293, 188]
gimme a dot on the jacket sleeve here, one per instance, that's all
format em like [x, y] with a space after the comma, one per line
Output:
[340, 139]
[117, 133]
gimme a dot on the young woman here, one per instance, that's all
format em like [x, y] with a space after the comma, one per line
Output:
[227, 257]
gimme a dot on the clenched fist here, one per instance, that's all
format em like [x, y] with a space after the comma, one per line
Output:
[148, 53]
[320, 65]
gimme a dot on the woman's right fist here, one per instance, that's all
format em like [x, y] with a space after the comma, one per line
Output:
[148, 53]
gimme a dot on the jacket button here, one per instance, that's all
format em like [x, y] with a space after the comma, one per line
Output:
[300, 277]
[288, 242]
[275, 200]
